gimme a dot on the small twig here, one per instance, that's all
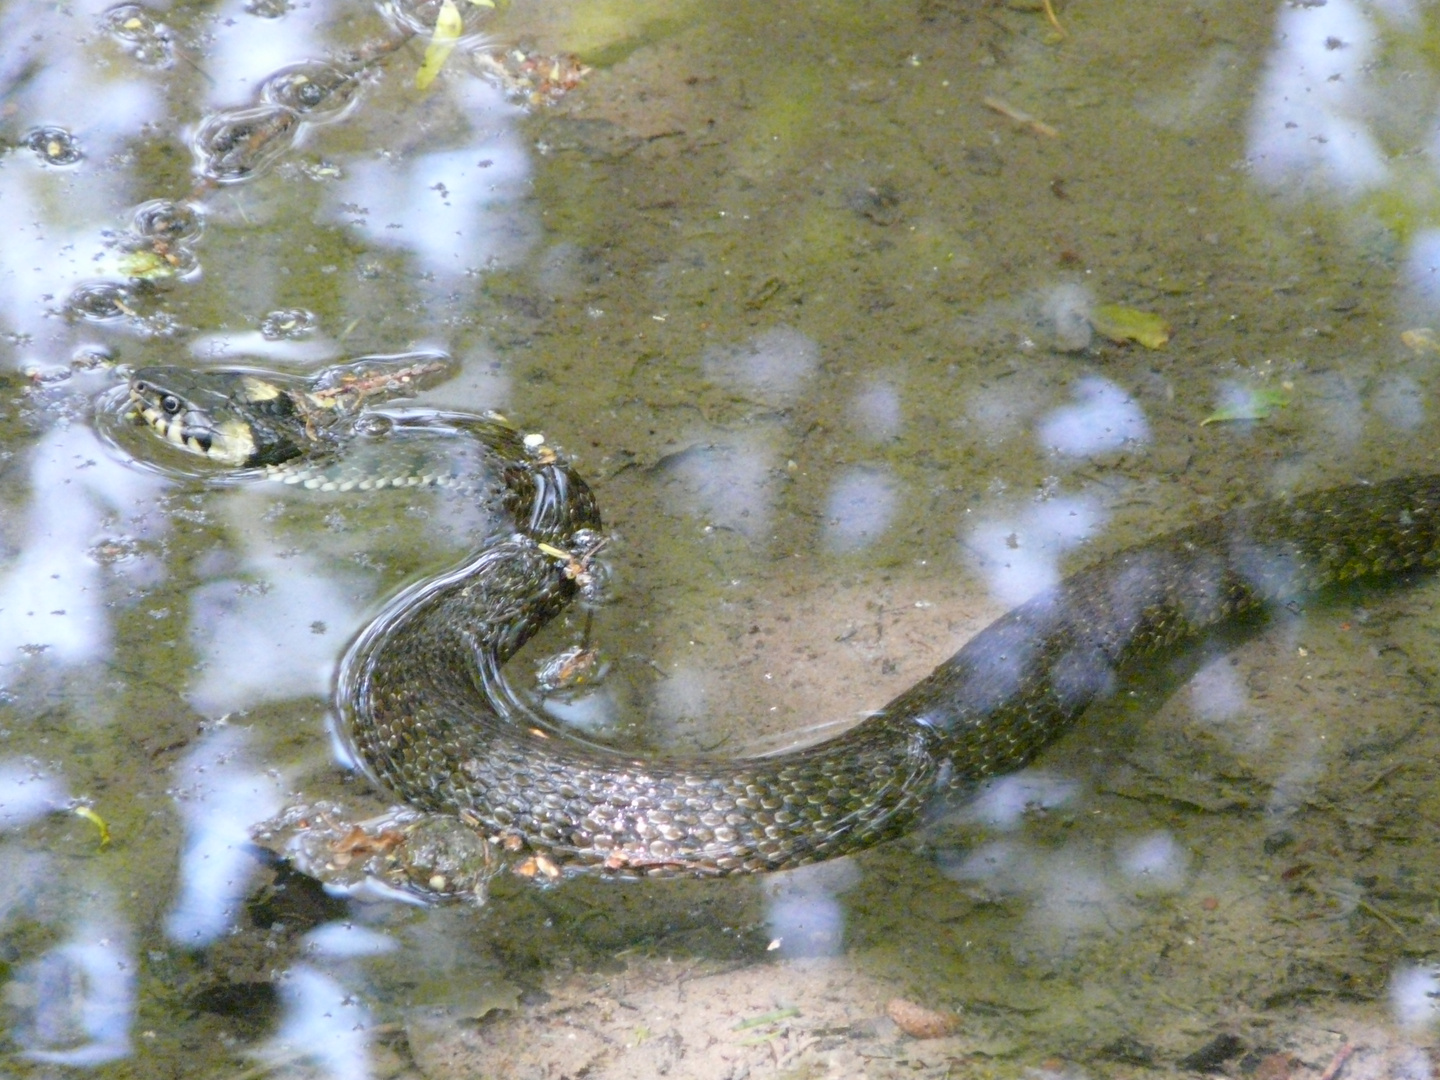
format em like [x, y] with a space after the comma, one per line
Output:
[1020, 116]
[1381, 777]
[1054, 21]
[1338, 1062]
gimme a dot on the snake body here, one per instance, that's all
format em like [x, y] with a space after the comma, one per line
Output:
[424, 705]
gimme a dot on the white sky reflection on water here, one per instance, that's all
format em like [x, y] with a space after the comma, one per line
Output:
[454, 210]
[78, 1001]
[344, 940]
[803, 909]
[27, 794]
[1414, 992]
[54, 218]
[270, 642]
[52, 594]
[246, 347]
[774, 367]
[324, 1025]
[1104, 418]
[220, 796]
[1309, 125]
[1003, 803]
[1217, 693]
[1155, 862]
[1020, 557]
[727, 486]
[875, 411]
[250, 49]
[860, 507]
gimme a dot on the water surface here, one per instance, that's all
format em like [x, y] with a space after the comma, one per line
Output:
[809, 292]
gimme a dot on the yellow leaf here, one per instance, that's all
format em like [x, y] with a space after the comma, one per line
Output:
[1252, 405]
[1122, 324]
[145, 265]
[448, 26]
[96, 820]
[1421, 340]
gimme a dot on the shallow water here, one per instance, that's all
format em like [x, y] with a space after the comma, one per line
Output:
[807, 290]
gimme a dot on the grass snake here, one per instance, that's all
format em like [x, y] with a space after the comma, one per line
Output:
[422, 701]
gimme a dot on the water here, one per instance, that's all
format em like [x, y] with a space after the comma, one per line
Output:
[807, 291]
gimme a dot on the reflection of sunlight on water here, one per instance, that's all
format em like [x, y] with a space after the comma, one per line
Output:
[345, 940]
[1414, 992]
[1400, 403]
[75, 1003]
[1103, 418]
[1021, 558]
[773, 367]
[875, 411]
[592, 710]
[278, 641]
[1003, 803]
[26, 794]
[1309, 122]
[221, 797]
[52, 597]
[455, 210]
[246, 347]
[324, 1024]
[250, 49]
[727, 488]
[1154, 863]
[46, 249]
[1217, 693]
[803, 909]
[860, 507]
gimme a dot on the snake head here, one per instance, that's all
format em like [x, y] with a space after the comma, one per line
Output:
[231, 417]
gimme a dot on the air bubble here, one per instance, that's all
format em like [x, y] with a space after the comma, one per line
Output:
[315, 90]
[54, 145]
[132, 24]
[420, 17]
[236, 144]
[100, 301]
[288, 324]
[164, 219]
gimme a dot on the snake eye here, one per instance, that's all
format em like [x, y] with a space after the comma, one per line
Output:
[171, 404]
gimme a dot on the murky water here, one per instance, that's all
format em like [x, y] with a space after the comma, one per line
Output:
[810, 292]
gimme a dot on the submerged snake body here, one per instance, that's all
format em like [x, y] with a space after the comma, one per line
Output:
[426, 710]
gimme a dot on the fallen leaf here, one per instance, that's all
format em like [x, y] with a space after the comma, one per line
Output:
[448, 26]
[1251, 405]
[1421, 340]
[1122, 324]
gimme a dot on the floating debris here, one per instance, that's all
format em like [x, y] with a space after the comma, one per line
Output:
[1125, 324]
[1249, 405]
[448, 28]
[1421, 340]
[533, 78]
[1020, 116]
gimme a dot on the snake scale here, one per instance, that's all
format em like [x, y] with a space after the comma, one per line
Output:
[421, 696]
